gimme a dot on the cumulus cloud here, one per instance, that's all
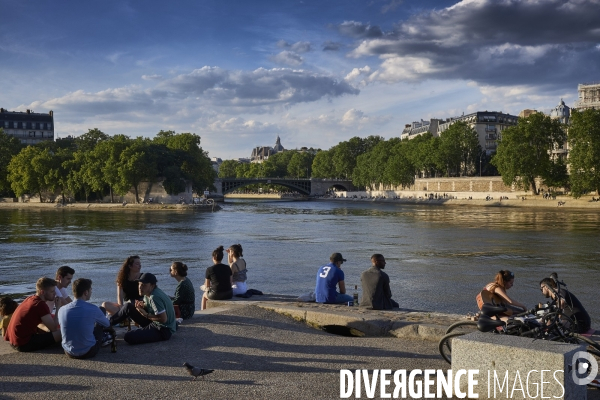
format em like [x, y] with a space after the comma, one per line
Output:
[287, 58]
[493, 42]
[257, 91]
[359, 30]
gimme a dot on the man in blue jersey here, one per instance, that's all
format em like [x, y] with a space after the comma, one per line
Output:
[328, 277]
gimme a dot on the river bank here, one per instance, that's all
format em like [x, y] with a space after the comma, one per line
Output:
[109, 206]
[526, 201]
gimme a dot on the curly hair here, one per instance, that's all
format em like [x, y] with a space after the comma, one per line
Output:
[123, 274]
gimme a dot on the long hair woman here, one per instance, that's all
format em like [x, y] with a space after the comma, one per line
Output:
[503, 281]
[127, 286]
[238, 269]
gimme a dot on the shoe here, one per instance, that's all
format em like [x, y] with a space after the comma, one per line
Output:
[107, 339]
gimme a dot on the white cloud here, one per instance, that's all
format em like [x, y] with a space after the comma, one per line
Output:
[288, 58]
[154, 77]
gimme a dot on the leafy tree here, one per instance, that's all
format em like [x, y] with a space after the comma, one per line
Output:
[459, 148]
[276, 166]
[300, 164]
[136, 165]
[108, 153]
[27, 170]
[400, 169]
[89, 140]
[524, 151]
[227, 169]
[322, 166]
[584, 152]
[371, 166]
[9, 147]
[56, 165]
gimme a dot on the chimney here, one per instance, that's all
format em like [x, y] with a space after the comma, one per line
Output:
[28, 111]
[51, 113]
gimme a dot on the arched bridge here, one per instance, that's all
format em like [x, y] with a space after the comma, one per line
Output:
[309, 187]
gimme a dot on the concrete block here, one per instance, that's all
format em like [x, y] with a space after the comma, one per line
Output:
[513, 359]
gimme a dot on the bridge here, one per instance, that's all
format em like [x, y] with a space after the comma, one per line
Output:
[309, 187]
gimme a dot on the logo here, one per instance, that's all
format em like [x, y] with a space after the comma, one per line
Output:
[583, 372]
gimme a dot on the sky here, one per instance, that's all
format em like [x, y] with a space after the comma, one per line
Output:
[313, 72]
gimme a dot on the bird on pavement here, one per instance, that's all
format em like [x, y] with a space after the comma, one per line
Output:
[196, 371]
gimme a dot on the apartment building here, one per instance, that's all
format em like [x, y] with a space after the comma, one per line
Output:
[589, 96]
[28, 127]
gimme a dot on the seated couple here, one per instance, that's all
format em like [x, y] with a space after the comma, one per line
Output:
[222, 282]
[375, 284]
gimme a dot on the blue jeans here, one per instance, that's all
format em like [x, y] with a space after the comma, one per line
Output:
[343, 298]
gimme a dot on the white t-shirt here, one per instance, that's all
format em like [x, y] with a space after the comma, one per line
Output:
[62, 292]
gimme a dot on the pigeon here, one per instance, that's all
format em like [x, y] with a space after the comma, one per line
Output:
[196, 372]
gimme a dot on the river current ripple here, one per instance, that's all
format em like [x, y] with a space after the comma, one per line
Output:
[438, 257]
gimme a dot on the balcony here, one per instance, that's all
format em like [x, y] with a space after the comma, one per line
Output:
[491, 137]
[491, 146]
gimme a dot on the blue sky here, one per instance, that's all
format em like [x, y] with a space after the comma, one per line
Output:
[239, 73]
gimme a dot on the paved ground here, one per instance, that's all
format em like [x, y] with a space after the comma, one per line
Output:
[257, 354]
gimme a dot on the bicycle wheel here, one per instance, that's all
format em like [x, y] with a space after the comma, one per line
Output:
[462, 326]
[594, 347]
[445, 345]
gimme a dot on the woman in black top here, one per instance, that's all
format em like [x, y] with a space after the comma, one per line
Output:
[127, 287]
[218, 280]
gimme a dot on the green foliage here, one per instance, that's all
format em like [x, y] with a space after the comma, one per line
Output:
[524, 151]
[227, 169]
[322, 166]
[458, 149]
[27, 171]
[584, 153]
[300, 164]
[9, 147]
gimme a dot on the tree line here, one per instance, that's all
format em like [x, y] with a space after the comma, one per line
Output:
[98, 164]
[524, 154]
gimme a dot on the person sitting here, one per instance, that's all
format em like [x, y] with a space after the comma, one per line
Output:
[217, 283]
[238, 269]
[7, 308]
[503, 281]
[376, 292]
[64, 275]
[81, 323]
[155, 314]
[328, 277]
[22, 331]
[127, 285]
[569, 304]
[185, 297]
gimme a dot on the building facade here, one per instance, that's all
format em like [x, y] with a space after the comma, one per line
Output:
[419, 128]
[589, 96]
[262, 153]
[28, 127]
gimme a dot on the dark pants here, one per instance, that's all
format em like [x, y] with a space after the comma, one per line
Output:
[148, 333]
[98, 334]
[38, 341]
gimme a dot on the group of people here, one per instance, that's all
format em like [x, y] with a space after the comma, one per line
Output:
[376, 292]
[51, 316]
[569, 303]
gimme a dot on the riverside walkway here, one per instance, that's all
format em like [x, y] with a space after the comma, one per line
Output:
[265, 347]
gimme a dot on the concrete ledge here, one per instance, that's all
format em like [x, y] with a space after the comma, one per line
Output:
[401, 323]
[520, 361]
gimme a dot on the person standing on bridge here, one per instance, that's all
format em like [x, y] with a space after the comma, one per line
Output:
[329, 276]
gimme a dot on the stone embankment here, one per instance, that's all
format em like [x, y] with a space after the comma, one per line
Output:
[350, 321]
[109, 206]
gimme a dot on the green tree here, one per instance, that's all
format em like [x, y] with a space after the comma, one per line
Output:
[584, 151]
[322, 166]
[136, 165]
[109, 155]
[459, 148]
[400, 169]
[227, 169]
[9, 147]
[89, 140]
[300, 164]
[27, 170]
[524, 151]
[56, 165]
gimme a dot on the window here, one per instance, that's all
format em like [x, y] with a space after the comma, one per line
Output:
[28, 124]
[37, 125]
[19, 125]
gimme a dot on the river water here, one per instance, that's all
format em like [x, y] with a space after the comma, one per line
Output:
[438, 257]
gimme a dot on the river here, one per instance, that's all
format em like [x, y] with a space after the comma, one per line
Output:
[438, 257]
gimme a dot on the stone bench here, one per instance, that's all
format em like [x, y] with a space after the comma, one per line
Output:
[510, 362]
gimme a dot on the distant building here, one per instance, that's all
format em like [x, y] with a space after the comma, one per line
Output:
[418, 128]
[216, 163]
[262, 153]
[561, 112]
[28, 127]
[589, 96]
[527, 112]
[488, 125]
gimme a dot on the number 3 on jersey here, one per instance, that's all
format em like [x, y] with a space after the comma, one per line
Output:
[325, 272]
